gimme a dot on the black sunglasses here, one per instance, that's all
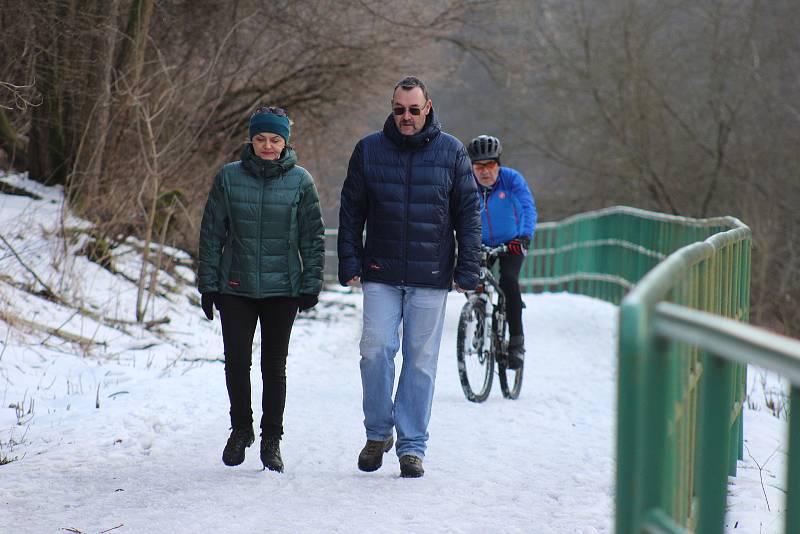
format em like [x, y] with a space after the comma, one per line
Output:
[270, 109]
[400, 110]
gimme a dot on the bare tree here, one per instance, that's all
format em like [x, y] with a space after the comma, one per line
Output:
[683, 107]
[142, 101]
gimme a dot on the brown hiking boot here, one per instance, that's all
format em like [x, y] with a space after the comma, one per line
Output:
[371, 456]
[411, 466]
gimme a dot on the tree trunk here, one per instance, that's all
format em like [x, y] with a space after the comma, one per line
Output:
[12, 144]
[130, 59]
[48, 146]
[95, 101]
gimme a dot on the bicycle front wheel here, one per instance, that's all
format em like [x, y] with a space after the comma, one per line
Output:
[473, 350]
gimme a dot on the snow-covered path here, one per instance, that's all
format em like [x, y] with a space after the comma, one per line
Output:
[149, 459]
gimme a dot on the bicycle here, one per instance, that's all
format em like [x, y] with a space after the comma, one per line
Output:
[483, 336]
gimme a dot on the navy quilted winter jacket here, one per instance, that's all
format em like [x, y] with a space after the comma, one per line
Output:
[417, 196]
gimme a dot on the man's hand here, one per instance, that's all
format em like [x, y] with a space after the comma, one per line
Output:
[207, 302]
[519, 246]
[458, 288]
[356, 280]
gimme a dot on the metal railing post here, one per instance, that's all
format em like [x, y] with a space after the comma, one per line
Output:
[793, 474]
[712, 465]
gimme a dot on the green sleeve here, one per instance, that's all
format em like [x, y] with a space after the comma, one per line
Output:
[312, 239]
[213, 231]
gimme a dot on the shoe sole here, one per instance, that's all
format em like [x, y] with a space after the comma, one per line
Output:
[386, 448]
[274, 468]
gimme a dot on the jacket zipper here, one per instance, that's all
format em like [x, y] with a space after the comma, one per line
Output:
[486, 195]
[258, 242]
[407, 193]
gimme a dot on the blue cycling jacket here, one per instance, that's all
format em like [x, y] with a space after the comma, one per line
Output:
[507, 209]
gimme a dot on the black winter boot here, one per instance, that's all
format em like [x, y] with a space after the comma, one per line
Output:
[240, 439]
[371, 456]
[271, 453]
[516, 352]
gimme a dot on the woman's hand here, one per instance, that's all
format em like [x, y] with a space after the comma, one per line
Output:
[207, 302]
[307, 302]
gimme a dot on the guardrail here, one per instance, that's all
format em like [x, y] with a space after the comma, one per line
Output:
[720, 342]
[664, 387]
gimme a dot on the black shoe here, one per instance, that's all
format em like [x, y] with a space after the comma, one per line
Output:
[516, 357]
[271, 453]
[371, 457]
[411, 467]
[240, 439]
[516, 352]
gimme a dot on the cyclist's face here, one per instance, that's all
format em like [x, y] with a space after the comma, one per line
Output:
[486, 172]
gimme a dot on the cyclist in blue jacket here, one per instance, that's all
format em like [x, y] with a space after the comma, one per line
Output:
[508, 216]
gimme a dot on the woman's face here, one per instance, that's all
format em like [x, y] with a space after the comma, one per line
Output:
[267, 145]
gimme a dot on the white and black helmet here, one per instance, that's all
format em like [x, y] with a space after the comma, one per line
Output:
[484, 147]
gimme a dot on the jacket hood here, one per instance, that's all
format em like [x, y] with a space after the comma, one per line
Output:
[267, 169]
[428, 133]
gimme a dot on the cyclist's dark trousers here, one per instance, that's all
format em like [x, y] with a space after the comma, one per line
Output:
[510, 265]
[239, 316]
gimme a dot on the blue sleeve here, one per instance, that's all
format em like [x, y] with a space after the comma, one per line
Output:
[520, 190]
[352, 217]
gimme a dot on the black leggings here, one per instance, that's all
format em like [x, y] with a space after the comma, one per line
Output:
[510, 265]
[239, 316]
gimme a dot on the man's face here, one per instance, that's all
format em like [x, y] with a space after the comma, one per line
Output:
[486, 171]
[407, 103]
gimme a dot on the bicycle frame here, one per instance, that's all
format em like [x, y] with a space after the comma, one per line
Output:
[488, 257]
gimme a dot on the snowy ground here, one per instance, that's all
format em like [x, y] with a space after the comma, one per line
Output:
[122, 428]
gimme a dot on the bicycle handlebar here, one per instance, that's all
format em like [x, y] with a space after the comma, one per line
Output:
[491, 252]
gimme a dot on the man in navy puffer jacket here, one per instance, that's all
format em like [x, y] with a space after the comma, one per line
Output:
[412, 186]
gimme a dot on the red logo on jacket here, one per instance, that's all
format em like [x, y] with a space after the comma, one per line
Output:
[374, 266]
[502, 195]
[234, 283]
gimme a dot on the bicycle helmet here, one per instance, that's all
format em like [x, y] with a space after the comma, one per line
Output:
[484, 147]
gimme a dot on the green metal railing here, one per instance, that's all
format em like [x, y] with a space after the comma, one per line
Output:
[683, 289]
[604, 253]
[667, 398]
[615, 252]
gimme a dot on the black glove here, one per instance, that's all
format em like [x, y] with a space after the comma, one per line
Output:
[519, 245]
[307, 301]
[207, 301]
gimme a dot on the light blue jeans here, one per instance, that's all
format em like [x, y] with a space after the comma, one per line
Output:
[421, 311]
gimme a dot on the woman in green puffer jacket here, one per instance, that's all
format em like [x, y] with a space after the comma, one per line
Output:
[262, 252]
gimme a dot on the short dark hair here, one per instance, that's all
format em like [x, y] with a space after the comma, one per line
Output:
[410, 82]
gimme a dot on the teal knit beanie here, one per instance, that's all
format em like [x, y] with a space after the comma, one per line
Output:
[272, 123]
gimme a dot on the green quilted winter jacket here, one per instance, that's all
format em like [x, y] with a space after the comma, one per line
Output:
[262, 233]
